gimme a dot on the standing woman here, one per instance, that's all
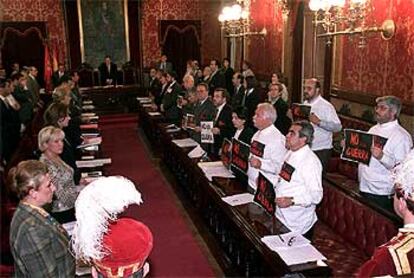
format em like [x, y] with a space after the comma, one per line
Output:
[51, 145]
[40, 246]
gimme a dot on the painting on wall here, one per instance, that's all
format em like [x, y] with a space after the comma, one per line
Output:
[103, 31]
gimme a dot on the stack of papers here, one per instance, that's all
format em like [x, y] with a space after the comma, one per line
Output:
[293, 248]
[91, 141]
[215, 169]
[185, 143]
[197, 152]
[152, 114]
[238, 199]
[144, 99]
[93, 163]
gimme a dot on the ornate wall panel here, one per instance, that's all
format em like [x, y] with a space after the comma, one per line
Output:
[155, 10]
[39, 10]
[265, 54]
[383, 67]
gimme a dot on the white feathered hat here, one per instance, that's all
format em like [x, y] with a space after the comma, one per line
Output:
[96, 206]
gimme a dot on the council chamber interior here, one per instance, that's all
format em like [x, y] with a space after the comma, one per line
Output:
[261, 137]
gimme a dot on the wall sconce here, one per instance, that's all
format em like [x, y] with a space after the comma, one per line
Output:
[339, 18]
[235, 21]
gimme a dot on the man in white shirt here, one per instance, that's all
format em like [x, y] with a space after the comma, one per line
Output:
[375, 179]
[299, 186]
[324, 120]
[267, 147]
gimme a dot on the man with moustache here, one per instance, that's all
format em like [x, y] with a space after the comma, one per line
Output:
[267, 147]
[324, 120]
[375, 182]
[299, 186]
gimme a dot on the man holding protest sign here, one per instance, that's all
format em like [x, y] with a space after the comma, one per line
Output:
[324, 120]
[299, 186]
[267, 147]
[375, 181]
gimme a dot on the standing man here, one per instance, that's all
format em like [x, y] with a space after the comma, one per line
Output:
[223, 126]
[204, 110]
[60, 76]
[164, 64]
[267, 147]
[217, 79]
[324, 120]
[169, 99]
[108, 72]
[375, 179]
[395, 257]
[33, 86]
[238, 93]
[299, 186]
[251, 97]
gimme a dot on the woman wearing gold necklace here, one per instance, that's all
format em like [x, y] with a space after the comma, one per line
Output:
[40, 246]
[50, 140]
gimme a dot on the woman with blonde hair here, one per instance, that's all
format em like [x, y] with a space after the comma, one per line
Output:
[50, 140]
[40, 246]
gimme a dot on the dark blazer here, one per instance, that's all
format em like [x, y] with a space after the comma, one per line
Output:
[167, 67]
[216, 81]
[68, 155]
[25, 99]
[169, 102]
[203, 112]
[246, 135]
[228, 76]
[34, 88]
[283, 122]
[237, 97]
[105, 74]
[56, 80]
[226, 127]
[251, 101]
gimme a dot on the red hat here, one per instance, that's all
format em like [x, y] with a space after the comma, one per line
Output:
[128, 244]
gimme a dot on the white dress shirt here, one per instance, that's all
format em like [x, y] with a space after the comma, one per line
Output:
[237, 133]
[305, 187]
[376, 178]
[322, 137]
[273, 154]
[219, 111]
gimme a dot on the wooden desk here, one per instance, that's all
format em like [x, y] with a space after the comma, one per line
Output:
[114, 99]
[236, 230]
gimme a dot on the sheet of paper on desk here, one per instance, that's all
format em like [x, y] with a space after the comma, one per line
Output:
[93, 148]
[88, 107]
[154, 114]
[172, 130]
[86, 102]
[238, 199]
[300, 251]
[88, 114]
[185, 143]
[147, 105]
[197, 152]
[215, 169]
[69, 226]
[89, 126]
[93, 163]
[144, 99]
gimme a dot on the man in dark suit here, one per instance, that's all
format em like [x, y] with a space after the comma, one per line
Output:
[108, 72]
[282, 122]
[239, 90]
[60, 76]
[223, 126]
[204, 110]
[154, 84]
[23, 97]
[33, 86]
[164, 64]
[217, 79]
[251, 98]
[169, 99]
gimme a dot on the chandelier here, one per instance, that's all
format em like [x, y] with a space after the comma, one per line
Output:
[235, 20]
[336, 17]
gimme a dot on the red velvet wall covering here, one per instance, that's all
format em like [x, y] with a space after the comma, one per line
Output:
[155, 10]
[39, 10]
[383, 67]
[265, 54]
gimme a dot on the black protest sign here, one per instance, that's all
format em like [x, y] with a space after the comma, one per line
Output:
[265, 194]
